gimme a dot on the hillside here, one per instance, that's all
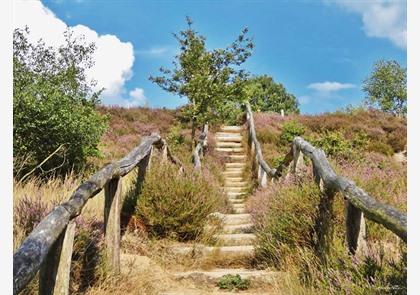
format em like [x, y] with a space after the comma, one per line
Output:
[359, 145]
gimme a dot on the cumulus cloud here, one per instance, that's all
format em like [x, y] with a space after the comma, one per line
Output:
[137, 98]
[381, 18]
[328, 87]
[113, 58]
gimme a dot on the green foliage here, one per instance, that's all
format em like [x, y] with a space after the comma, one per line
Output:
[175, 137]
[290, 130]
[172, 204]
[333, 143]
[380, 147]
[233, 282]
[265, 95]
[287, 224]
[210, 79]
[53, 104]
[386, 87]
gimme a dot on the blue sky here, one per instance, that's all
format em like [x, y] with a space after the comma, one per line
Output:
[320, 50]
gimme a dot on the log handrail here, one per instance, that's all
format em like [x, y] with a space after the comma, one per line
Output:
[358, 202]
[55, 227]
[199, 149]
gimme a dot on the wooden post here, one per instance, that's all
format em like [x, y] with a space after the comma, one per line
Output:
[355, 230]
[54, 275]
[263, 178]
[164, 156]
[112, 223]
[142, 168]
[298, 163]
[324, 221]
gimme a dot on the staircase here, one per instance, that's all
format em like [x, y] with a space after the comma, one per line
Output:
[234, 249]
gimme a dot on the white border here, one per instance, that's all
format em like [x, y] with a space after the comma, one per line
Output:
[6, 147]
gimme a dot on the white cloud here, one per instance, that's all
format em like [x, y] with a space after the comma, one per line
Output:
[113, 58]
[381, 18]
[137, 98]
[327, 87]
[154, 51]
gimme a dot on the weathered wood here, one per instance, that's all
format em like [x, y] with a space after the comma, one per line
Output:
[54, 275]
[199, 149]
[32, 253]
[112, 223]
[263, 178]
[324, 220]
[258, 151]
[355, 230]
[383, 214]
[298, 163]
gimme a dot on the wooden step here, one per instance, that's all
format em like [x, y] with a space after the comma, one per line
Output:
[240, 228]
[231, 129]
[225, 252]
[234, 179]
[203, 277]
[232, 173]
[236, 201]
[230, 150]
[235, 195]
[235, 165]
[236, 239]
[236, 138]
[232, 189]
[228, 144]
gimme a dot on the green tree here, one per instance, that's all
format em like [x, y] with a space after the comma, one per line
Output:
[53, 105]
[386, 87]
[210, 79]
[265, 95]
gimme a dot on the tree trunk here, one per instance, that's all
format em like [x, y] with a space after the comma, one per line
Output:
[193, 127]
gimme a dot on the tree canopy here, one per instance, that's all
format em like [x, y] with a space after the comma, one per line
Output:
[386, 87]
[265, 95]
[212, 80]
[54, 114]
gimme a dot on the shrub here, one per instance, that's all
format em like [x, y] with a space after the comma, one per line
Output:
[290, 130]
[233, 282]
[174, 204]
[53, 105]
[333, 143]
[286, 223]
[27, 213]
[380, 147]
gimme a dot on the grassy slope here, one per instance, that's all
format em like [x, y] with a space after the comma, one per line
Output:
[285, 212]
[377, 173]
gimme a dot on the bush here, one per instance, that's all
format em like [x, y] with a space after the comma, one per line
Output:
[233, 282]
[333, 143]
[290, 130]
[171, 204]
[380, 147]
[53, 105]
[286, 223]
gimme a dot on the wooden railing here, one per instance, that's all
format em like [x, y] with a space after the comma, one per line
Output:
[357, 202]
[48, 248]
[199, 149]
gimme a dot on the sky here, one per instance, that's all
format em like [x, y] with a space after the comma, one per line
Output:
[320, 50]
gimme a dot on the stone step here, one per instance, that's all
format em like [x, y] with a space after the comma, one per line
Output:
[233, 173]
[235, 195]
[227, 134]
[224, 252]
[232, 138]
[231, 129]
[214, 275]
[232, 189]
[239, 228]
[239, 210]
[234, 179]
[235, 165]
[236, 201]
[236, 239]
[230, 150]
[238, 206]
[235, 219]
[241, 184]
[227, 169]
[228, 144]
[237, 157]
